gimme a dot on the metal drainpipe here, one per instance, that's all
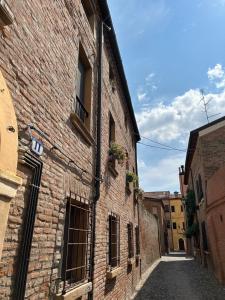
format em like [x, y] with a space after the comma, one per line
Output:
[28, 227]
[98, 156]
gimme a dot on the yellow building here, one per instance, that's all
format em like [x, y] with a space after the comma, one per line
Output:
[174, 214]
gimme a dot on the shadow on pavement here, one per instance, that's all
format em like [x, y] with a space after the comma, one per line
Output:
[178, 278]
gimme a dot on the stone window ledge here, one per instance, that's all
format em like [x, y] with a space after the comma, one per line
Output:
[77, 292]
[131, 261]
[82, 129]
[114, 273]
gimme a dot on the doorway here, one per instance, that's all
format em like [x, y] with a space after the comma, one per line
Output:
[181, 245]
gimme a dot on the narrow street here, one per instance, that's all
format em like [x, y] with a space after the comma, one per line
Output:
[177, 278]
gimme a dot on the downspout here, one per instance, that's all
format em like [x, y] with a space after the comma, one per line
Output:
[35, 165]
[138, 211]
[98, 156]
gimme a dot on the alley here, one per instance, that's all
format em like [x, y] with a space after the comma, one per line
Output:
[177, 278]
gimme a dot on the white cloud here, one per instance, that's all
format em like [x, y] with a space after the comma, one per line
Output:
[216, 72]
[163, 173]
[217, 76]
[172, 122]
[149, 86]
[141, 96]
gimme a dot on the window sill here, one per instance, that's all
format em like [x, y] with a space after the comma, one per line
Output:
[131, 261]
[82, 129]
[114, 273]
[113, 170]
[76, 292]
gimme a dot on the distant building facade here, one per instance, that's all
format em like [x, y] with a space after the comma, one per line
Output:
[171, 215]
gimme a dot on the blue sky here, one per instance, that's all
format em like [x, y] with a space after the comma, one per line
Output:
[170, 50]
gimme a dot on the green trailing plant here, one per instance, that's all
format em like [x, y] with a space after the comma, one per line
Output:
[138, 191]
[192, 230]
[117, 152]
[131, 177]
[190, 208]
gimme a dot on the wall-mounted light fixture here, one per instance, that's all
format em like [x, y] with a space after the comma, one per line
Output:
[6, 15]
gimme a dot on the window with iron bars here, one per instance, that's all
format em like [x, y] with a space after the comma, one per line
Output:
[77, 242]
[130, 240]
[114, 241]
[137, 240]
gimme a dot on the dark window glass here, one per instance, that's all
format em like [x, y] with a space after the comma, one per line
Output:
[181, 208]
[174, 225]
[204, 237]
[114, 241]
[167, 208]
[130, 240]
[137, 239]
[173, 208]
[76, 243]
[111, 130]
[80, 81]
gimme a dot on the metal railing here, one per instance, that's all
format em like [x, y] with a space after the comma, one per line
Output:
[77, 242]
[114, 241]
[80, 110]
[130, 240]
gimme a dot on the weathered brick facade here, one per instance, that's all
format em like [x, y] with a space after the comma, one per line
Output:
[204, 160]
[39, 60]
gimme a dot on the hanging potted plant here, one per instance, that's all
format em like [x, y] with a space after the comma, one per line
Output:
[131, 177]
[116, 152]
[138, 193]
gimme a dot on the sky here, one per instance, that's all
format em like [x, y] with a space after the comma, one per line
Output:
[171, 50]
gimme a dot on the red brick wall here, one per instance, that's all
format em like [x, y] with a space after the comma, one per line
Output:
[39, 62]
[149, 238]
[215, 221]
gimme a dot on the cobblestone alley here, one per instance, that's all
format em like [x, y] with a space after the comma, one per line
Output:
[177, 278]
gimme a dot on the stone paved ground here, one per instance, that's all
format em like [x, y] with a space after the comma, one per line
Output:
[178, 278]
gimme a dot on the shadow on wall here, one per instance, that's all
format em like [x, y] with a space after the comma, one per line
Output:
[180, 279]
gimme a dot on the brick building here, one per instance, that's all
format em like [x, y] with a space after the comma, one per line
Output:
[204, 165]
[155, 206]
[169, 210]
[69, 216]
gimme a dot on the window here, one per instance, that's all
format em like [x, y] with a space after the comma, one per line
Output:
[125, 122]
[112, 78]
[89, 12]
[114, 241]
[168, 224]
[111, 130]
[137, 239]
[82, 103]
[204, 237]
[167, 208]
[174, 225]
[181, 208]
[130, 240]
[200, 187]
[77, 241]
[183, 225]
[199, 190]
[173, 208]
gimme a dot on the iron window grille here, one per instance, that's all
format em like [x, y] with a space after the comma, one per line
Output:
[80, 109]
[130, 240]
[114, 241]
[77, 242]
[137, 240]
